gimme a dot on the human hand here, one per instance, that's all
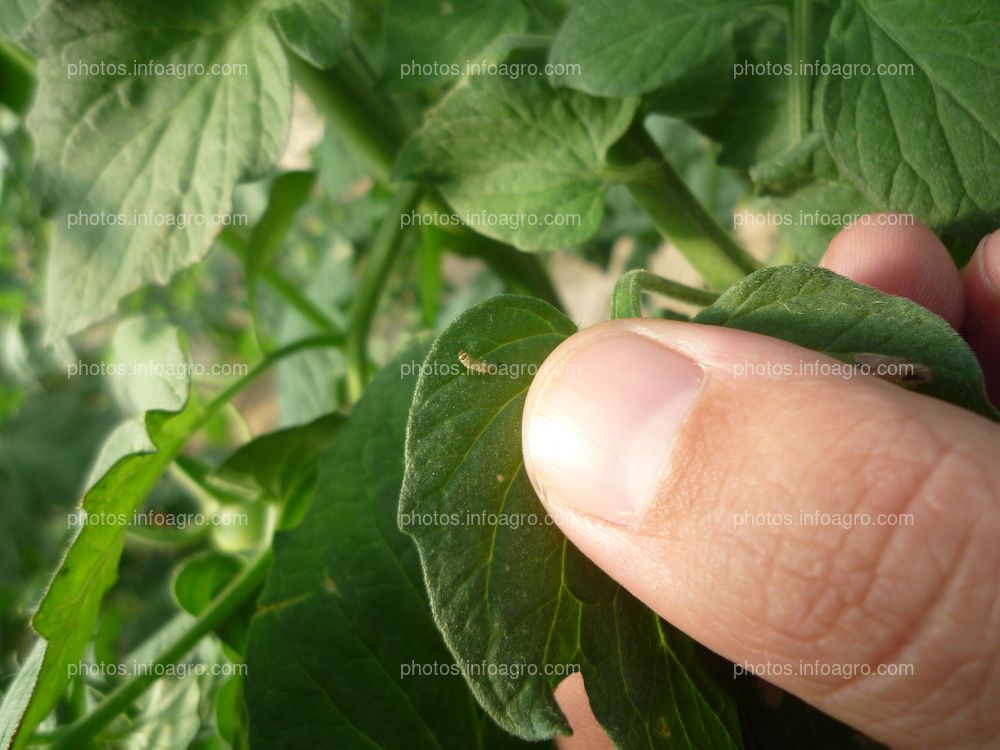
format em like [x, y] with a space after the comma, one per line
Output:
[797, 520]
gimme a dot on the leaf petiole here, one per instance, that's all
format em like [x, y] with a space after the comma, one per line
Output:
[678, 215]
[384, 249]
[626, 299]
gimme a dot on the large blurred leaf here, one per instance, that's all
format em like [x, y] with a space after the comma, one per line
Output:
[518, 160]
[635, 49]
[314, 29]
[15, 15]
[429, 41]
[140, 166]
[506, 586]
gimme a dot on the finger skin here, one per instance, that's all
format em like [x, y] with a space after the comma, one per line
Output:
[587, 731]
[898, 255]
[922, 595]
[982, 321]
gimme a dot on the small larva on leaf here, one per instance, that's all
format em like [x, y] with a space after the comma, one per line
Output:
[473, 364]
[904, 372]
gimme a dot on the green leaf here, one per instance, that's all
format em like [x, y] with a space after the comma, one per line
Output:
[231, 714]
[289, 192]
[811, 215]
[15, 15]
[506, 587]
[140, 164]
[429, 42]
[130, 462]
[309, 384]
[282, 465]
[928, 142]
[17, 83]
[652, 43]
[752, 124]
[820, 310]
[200, 579]
[518, 160]
[166, 716]
[316, 30]
[344, 613]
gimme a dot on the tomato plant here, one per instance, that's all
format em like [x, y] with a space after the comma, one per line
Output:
[278, 274]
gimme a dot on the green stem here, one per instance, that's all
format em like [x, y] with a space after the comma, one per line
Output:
[217, 403]
[679, 216]
[522, 272]
[384, 249]
[347, 97]
[626, 299]
[800, 85]
[239, 591]
[282, 286]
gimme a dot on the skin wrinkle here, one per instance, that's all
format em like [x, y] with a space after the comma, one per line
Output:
[764, 444]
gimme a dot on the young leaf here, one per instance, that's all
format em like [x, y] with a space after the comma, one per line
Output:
[810, 216]
[140, 163]
[518, 160]
[506, 587]
[429, 42]
[281, 463]
[820, 310]
[946, 169]
[200, 579]
[344, 616]
[623, 51]
[131, 461]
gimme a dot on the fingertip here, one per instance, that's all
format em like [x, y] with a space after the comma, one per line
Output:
[898, 255]
[981, 281]
[571, 695]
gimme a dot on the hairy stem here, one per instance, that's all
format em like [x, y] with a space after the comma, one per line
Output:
[800, 85]
[239, 591]
[679, 216]
[384, 249]
[288, 291]
[626, 299]
[345, 95]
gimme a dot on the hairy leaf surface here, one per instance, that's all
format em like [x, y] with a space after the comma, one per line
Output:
[820, 310]
[518, 160]
[506, 586]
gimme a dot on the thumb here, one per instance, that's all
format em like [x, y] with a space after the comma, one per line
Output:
[835, 535]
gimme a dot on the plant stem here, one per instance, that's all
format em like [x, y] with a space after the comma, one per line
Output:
[679, 216]
[347, 98]
[282, 286]
[217, 403]
[800, 85]
[626, 299]
[384, 249]
[370, 124]
[240, 590]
